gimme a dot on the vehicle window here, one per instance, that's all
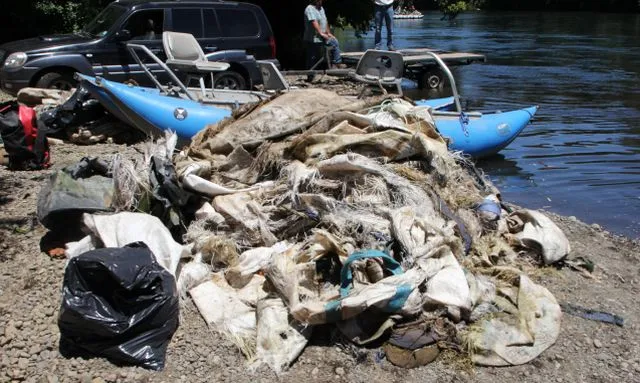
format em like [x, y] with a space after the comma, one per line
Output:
[146, 25]
[211, 27]
[101, 24]
[238, 23]
[188, 20]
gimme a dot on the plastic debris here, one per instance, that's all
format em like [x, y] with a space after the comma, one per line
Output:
[523, 330]
[120, 229]
[537, 232]
[315, 210]
[594, 315]
[119, 303]
[279, 339]
[85, 187]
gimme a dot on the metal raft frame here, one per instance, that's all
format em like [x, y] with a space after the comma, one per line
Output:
[217, 97]
[420, 65]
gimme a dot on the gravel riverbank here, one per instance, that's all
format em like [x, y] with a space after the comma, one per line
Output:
[30, 283]
[31, 280]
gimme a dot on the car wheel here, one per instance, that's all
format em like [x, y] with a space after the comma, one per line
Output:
[56, 80]
[229, 80]
[434, 79]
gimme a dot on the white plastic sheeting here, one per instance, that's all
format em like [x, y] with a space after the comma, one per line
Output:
[279, 338]
[537, 232]
[118, 230]
[517, 338]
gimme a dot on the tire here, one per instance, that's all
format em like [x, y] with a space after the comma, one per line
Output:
[229, 80]
[56, 80]
[433, 79]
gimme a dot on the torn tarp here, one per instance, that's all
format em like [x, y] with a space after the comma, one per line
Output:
[85, 187]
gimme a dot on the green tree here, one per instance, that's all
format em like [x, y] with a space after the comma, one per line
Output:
[451, 8]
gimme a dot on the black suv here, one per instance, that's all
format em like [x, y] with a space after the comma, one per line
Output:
[224, 29]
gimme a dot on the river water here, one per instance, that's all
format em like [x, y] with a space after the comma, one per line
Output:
[581, 154]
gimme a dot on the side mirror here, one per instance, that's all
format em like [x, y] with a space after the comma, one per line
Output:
[122, 35]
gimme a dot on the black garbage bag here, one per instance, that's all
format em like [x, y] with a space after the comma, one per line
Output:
[79, 109]
[85, 187]
[169, 201]
[118, 303]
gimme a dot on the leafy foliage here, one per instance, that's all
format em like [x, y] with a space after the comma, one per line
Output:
[451, 8]
[21, 19]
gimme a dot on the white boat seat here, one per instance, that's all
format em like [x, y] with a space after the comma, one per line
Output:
[184, 54]
[381, 68]
[209, 66]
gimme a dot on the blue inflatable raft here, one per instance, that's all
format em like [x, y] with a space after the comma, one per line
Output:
[482, 134]
[476, 134]
[152, 112]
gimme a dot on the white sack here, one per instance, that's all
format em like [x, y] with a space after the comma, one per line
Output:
[446, 282]
[225, 313]
[200, 185]
[516, 339]
[540, 233]
[121, 229]
[208, 213]
[280, 340]
[251, 261]
[243, 211]
[191, 275]
[378, 294]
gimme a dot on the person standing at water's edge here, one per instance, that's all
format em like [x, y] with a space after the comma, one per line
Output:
[384, 12]
[317, 32]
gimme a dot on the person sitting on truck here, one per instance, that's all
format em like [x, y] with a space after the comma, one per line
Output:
[316, 33]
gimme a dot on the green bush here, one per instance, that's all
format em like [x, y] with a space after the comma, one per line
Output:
[451, 8]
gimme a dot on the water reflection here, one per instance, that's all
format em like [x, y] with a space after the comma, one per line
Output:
[581, 154]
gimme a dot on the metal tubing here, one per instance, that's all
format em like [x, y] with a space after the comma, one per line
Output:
[132, 47]
[446, 70]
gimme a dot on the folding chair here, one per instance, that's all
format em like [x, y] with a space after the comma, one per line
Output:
[381, 68]
[325, 56]
[185, 55]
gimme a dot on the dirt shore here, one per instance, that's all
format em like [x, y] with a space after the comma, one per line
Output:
[30, 283]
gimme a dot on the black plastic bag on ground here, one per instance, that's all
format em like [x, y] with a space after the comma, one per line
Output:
[170, 202]
[78, 110]
[118, 303]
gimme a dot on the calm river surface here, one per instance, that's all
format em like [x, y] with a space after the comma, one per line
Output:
[581, 154]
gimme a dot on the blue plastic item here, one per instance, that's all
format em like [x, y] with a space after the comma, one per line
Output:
[333, 309]
[478, 135]
[346, 276]
[490, 206]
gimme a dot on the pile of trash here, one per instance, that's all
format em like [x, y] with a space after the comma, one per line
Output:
[312, 209]
[76, 116]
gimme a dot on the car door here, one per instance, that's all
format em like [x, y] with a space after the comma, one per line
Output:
[211, 39]
[240, 29]
[115, 62]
